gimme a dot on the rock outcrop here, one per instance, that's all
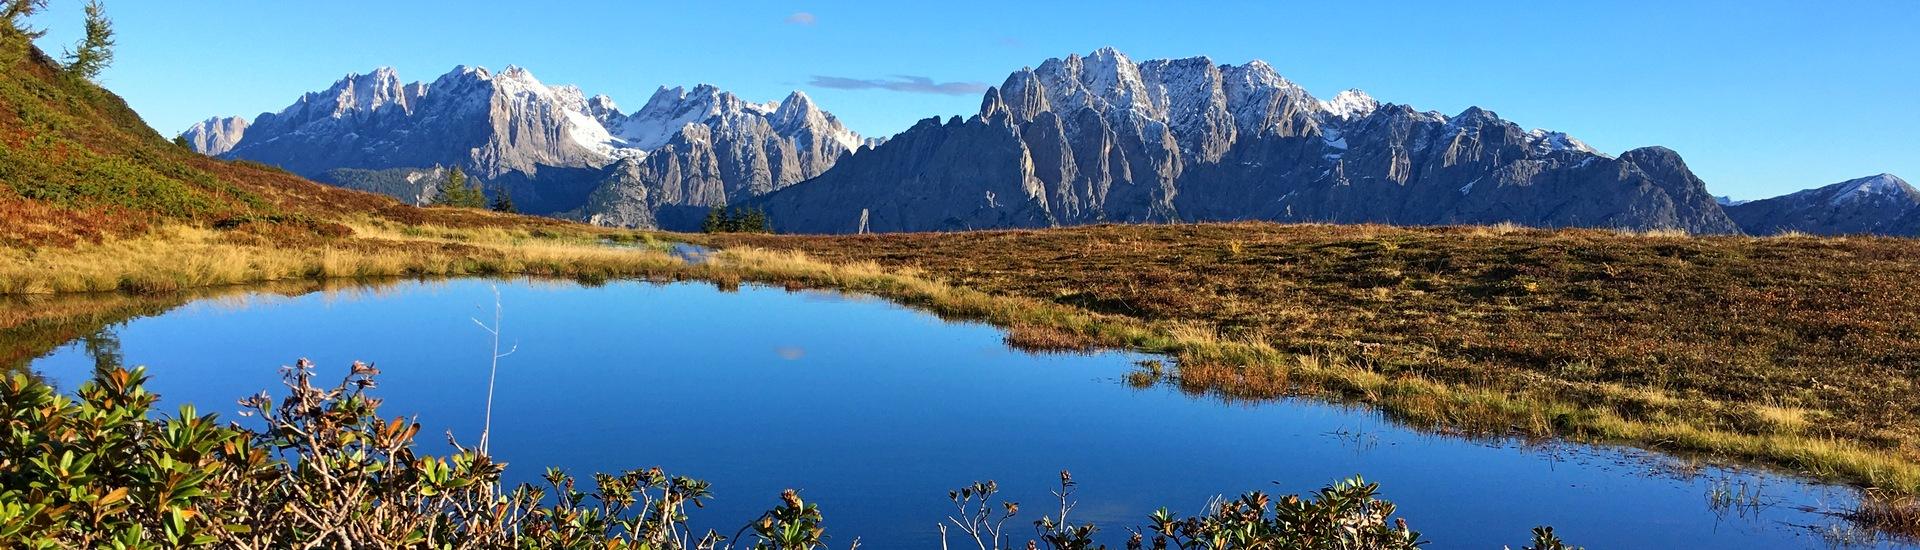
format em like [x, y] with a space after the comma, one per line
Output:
[216, 135]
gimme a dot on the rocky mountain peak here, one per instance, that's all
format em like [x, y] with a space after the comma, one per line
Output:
[1350, 104]
[603, 108]
[363, 92]
[1875, 187]
[216, 135]
[516, 72]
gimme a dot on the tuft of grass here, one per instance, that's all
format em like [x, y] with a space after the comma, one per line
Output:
[1894, 514]
[1046, 338]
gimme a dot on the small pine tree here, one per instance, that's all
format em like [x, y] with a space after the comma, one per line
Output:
[459, 191]
[14, 13]
[476, 195]
[716, 221]
[753, 220]
[95, 51]
[503, 201]
[181, 141]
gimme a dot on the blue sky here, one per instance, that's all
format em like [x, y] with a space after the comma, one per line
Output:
[1761, 97]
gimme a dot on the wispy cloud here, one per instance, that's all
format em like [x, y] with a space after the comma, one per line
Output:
[801, 18]
[899, 83]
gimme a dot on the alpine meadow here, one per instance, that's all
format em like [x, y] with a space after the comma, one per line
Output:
[1032, 299]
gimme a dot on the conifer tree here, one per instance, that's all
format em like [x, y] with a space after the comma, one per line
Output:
[503, 201]
[14, 13]
[95, 50]
[455, 191]
[753, 220]
[476, 195]
[716, 221]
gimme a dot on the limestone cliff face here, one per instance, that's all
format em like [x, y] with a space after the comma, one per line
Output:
[951, 176]
[1101, 138]
[216, 135]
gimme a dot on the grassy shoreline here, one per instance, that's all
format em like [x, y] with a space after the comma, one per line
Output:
[1206, 360]
[1197, 293]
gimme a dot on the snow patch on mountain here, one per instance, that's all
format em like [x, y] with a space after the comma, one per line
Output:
[1870, 188]
[1350, 104]
[1547, 141]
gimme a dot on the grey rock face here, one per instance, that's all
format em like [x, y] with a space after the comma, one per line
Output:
[950, 177]
[1882, 204]
[554, 149]
[1101, 138]
[216, 135]
[416, 186]
[624, 199]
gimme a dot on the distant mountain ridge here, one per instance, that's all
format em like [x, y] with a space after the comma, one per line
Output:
[1881, 204]
[558, 151]
[1101, 138]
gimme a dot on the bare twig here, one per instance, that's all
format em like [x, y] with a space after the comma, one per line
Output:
[486, 426]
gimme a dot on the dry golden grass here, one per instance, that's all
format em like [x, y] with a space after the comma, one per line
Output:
[178, 257]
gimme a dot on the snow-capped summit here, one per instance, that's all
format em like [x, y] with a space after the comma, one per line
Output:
[603, 108]
[1547, 141]
[1875, 187]
[1350, 104]
[798, 112]
[671, 109]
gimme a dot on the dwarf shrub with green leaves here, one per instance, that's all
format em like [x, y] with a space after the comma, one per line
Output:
[321, 467]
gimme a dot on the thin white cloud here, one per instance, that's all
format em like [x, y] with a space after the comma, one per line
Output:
[898, 83]
[800, 18]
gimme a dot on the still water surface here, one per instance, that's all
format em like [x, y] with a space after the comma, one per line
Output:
[875, 411]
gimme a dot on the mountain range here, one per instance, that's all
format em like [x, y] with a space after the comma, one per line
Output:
[556, 150]
[1098, 138]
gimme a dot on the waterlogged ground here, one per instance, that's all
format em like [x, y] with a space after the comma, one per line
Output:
[875, 411]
